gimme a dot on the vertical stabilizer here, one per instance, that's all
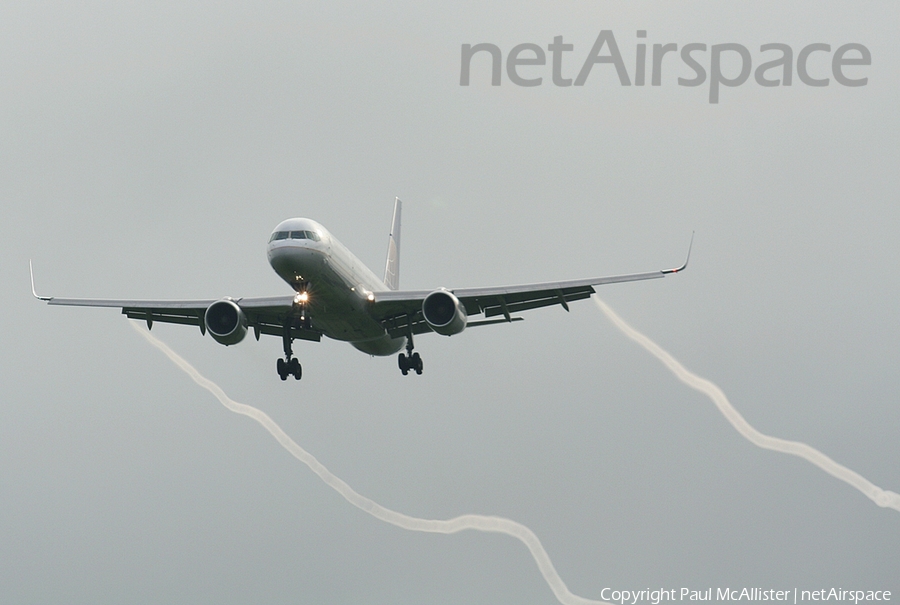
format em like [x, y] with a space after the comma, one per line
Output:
[392, 266]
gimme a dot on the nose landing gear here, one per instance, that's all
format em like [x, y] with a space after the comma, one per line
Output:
[290, 365]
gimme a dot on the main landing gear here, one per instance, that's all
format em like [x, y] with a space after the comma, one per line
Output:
[410, 361]
[290, 365]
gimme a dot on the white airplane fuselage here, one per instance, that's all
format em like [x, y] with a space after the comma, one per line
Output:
[338, 285]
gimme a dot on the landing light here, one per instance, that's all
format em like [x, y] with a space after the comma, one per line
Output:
[371, 296]
[301, 298]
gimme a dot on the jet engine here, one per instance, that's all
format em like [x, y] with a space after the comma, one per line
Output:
[444, 313]
[226, 322]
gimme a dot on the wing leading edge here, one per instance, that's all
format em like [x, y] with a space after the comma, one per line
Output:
[265, 315]
[401, 311]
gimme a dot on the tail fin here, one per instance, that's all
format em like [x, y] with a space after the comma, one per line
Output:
[392, 267]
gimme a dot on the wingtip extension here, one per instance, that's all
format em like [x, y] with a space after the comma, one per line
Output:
[33, 291]
[686, 260]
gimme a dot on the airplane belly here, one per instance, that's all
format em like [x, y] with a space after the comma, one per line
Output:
[380, 346]
[346, 328]
[341, 314]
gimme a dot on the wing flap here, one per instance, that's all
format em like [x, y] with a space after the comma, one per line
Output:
[526, 303]
[400, 324]
[164, 316]
[296, 333]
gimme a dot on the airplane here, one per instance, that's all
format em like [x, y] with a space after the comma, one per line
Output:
[336, 295]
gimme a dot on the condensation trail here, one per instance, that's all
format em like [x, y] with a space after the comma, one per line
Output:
[482, 523]
[881, 497]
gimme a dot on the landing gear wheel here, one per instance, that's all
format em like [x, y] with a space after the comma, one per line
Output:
[409, 362]
[289, 368]
[294, 368]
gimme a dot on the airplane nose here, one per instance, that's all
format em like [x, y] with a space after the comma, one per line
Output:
[291, 262]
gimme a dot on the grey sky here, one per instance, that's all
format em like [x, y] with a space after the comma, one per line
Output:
[148, 152]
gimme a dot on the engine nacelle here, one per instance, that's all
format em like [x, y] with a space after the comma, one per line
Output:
[444, 313]
[226, 322]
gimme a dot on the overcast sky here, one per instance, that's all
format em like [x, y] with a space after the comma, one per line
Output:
[149, 151]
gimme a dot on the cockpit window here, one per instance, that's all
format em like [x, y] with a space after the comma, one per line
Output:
[295, 235]
[305, 235]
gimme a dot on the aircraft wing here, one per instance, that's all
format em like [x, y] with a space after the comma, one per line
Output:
[264, 314]
[400, 310]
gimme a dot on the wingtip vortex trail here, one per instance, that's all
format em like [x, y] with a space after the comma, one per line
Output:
[493, 524]
[881, 497]
[483, 523]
